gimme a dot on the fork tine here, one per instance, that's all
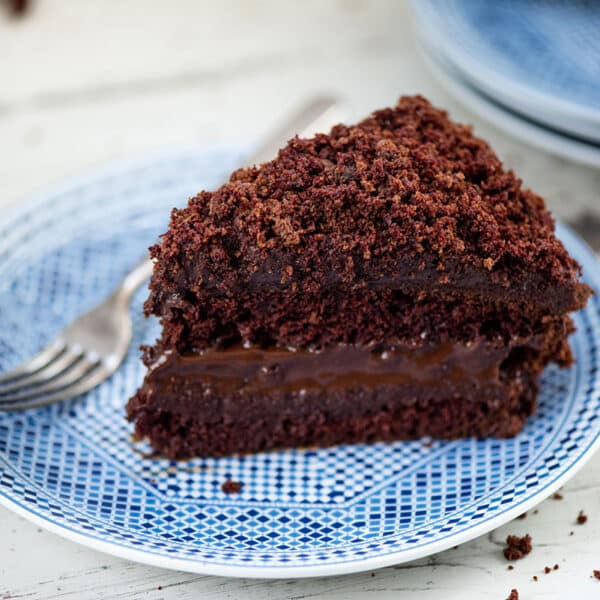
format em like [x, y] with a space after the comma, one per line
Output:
[66, 379]
[40, 360]
[91, 380]
[60, 364]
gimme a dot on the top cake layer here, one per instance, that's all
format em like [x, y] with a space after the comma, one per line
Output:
[402, 199]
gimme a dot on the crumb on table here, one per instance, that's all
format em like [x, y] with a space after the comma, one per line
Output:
[517, 547]
[231, 487]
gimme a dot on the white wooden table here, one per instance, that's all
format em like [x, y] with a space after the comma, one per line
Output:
[87, 82]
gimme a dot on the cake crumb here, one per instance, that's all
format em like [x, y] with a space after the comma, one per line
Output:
[581, 518]
[557, 496]
[517, 547]
[510, 567]
[18, 7]
[514, 595]
[597, 573]
[547, 570]
[231, 487]
[555, 567]
[523, 516]
[535, 578]
[570, 533]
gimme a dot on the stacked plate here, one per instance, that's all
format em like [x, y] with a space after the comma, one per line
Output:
[532, 68]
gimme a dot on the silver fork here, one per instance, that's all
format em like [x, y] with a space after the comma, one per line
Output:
[91, 349]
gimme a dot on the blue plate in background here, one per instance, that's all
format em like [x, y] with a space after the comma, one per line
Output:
[540, 58]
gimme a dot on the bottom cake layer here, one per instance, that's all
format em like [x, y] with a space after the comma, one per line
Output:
[241, 400]
[499, 413]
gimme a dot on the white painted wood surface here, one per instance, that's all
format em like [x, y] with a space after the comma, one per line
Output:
[85, 82]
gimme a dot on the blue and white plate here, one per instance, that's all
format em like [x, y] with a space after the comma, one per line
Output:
[74, 469]
[541, 58]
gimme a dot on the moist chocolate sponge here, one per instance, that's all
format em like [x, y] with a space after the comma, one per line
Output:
[405, 200]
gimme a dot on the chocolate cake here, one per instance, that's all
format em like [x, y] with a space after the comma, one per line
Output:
[388, 280]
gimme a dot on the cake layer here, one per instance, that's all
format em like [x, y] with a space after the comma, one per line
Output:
[385, 412]
[405, 200]
[269, 390]
[362, 317]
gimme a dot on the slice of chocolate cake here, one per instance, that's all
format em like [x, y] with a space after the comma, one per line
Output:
[386, 281]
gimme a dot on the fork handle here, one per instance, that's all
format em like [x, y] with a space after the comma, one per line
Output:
[318, 114]
[135, 278]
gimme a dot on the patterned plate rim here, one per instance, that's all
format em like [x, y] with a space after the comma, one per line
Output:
[331, 567]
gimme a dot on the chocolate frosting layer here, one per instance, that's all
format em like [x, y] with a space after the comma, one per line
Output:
[343, 366]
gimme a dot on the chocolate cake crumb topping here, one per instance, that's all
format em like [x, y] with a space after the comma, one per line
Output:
[547, 570]
[581, 518]
[557, 496]
[431, 185]
[514, 595]
[517, 547]
[597, 573]
[231, 487]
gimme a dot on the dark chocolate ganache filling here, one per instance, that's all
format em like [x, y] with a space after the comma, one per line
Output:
[343, 366]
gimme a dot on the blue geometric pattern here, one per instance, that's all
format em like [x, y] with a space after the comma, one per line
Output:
[74, 467]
